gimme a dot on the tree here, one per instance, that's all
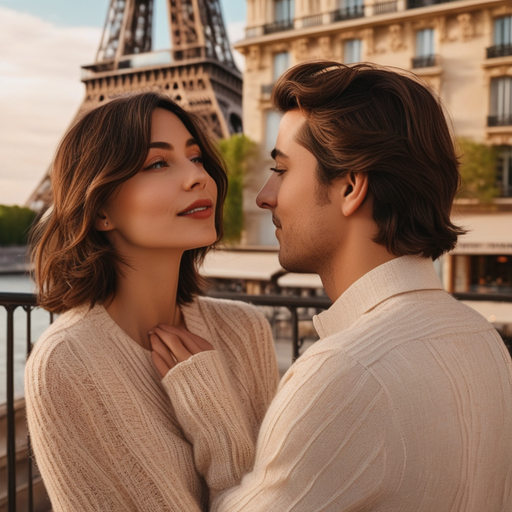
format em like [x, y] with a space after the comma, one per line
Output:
[15, 222]
[239, 153]
[478, 171]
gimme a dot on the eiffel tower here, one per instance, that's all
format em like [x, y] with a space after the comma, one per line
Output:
[198, 72]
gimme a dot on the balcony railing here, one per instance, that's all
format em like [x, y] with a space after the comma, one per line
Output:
[312, 21]
[296, 309]
[501, 120]
[502, 50]
[347, 13]
[278, 26]
[385, 7]
[426, 61]
[414, 4]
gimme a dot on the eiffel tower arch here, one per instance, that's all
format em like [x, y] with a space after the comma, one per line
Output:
[198, 72]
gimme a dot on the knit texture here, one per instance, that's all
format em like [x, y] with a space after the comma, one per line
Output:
[103, 428]
[405, 404]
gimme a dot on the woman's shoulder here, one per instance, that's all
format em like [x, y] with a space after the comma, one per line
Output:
[58, 343]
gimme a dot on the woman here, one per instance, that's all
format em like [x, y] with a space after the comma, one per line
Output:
[138, 193]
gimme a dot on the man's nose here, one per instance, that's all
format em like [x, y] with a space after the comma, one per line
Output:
[267, 197]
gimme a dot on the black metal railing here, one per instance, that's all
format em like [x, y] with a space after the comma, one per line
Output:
[501, 120]
[425, 61]
[296, 307]
[501, 50]
[385, 7]
[347, 13]
[278, 26]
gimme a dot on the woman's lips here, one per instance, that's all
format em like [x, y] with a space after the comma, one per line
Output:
[201, 209]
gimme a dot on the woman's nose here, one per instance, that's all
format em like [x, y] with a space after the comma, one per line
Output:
[267, 197]
[197, 177]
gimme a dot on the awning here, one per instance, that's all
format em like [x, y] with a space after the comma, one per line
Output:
[488, 233]
[300, 281]
[251, 265]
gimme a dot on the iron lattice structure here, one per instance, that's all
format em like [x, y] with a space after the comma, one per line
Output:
[198, 72]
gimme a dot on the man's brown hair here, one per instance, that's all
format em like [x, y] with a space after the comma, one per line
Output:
[369, 119]
[74, 263]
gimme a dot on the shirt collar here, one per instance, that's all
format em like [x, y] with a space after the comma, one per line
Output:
[400, 275]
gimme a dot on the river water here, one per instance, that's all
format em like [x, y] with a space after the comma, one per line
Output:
[40, 321]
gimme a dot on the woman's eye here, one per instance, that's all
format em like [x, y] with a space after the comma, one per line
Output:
[197, 160]
[279, 172]
[156, 165]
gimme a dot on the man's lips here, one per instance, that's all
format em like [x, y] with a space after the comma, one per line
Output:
[196, 206]
[276, 222]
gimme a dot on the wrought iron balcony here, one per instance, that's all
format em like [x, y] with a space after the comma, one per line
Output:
[278, 26]
[501, 50]
[347, 13]
[426, 61]
[501, 120]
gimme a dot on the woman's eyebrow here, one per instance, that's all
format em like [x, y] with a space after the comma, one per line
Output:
[161, 145]
[170, 147]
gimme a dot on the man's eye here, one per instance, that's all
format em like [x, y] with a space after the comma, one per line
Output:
[279, 172]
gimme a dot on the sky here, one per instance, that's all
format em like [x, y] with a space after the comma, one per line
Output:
[43, 43]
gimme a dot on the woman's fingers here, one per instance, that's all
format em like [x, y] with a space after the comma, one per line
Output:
[193, 342]
[174, 343]
[161, 366]
[162, 351]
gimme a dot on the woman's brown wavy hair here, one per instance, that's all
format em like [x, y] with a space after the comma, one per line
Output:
[365, 118]
[75, 264]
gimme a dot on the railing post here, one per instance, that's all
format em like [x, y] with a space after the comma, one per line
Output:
[28, 311]
[11, 434]
[295, 334]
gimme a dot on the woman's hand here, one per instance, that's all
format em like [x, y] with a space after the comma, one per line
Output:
[173, 345]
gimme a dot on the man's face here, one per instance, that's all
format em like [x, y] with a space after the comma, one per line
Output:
[307, 215]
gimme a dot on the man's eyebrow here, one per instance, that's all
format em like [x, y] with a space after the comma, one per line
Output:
[277, 152]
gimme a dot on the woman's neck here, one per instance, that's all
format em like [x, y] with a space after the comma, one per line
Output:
[146, 294]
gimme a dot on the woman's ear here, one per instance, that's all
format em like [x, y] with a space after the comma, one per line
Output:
[102, 223]
[353, 192]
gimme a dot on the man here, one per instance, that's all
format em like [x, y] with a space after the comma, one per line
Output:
[405, 402]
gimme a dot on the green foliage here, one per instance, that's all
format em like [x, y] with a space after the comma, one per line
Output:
[239, 153]
[478, 171]
[15, 222]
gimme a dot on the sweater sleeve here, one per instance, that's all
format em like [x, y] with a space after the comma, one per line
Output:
[85, 458]
[212, 419]
[329, 442]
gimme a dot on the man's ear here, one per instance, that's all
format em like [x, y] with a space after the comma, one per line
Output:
[102, 223]
[353, 192]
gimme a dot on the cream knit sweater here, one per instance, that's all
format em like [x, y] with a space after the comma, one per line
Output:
[404, 405]
[103, 429]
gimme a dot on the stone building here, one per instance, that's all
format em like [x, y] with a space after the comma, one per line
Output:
[461, 48]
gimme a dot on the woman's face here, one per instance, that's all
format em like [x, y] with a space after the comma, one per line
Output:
[170, 203]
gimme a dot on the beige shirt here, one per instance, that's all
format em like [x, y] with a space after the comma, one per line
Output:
[104, 431]
[405, 404]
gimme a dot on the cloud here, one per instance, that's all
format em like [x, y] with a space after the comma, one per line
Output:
[40, 92]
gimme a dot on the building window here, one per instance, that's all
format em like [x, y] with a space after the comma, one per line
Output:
[501, 102]
[272, 120]
[490, 274]
[502, 38]
[504, 174]
[284, 10]
[348, 9]
[425, 55]
[352, 51]
[281, 64]
[283, 17]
